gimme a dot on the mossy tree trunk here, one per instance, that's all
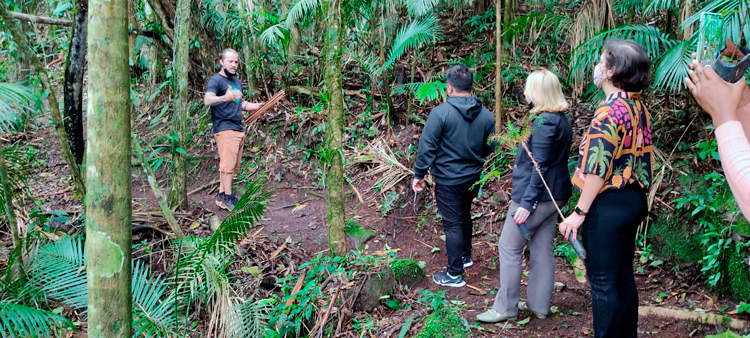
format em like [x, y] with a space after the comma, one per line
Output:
[180, 116]
[498, 68]
[23, 46]
[73, 86]
[335, 130]
[108, 155]
[249, 50]
[9, 211]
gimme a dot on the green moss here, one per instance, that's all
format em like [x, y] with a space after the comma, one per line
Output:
[406, 267]
[672, 239]
[737, 271]
[356, 233]
[443, 323]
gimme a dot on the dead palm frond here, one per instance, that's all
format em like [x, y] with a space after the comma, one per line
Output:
[594, 17]
[383, 164]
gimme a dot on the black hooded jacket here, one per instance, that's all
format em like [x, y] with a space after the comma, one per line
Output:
[454, 143]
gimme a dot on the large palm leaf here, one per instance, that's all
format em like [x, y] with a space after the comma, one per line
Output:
[249, 319]
[413, 35]
[735, 12]
[301, 10]
[16, 101]
[153, 308]
[58, 271]
[672, 68]
[22, 321]
[248, 211]
[584, 57]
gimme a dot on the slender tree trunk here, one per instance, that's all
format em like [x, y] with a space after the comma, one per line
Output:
[108, 154]
[248, 50]
[384, 73]
[506, 12]
[180, 116]
[73, 86]
[410, 97]
[54, 106]
[10, 213]
[335, 130]
[498, 69]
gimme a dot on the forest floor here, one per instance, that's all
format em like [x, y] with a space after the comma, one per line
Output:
[297, 210]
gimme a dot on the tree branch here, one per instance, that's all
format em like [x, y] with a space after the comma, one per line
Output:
[41, 19]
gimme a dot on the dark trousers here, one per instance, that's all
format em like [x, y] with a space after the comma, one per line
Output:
[608, 234]
[454, 204]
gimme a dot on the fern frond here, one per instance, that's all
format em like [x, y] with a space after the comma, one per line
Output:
[58, 269]
[16, 101]
[301, 10]
[673, 67]
[249, 319]
[23, 321]
[413, 35]
[153, 309]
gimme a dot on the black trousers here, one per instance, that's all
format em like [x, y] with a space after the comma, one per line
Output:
[608, 234]
[454, 204]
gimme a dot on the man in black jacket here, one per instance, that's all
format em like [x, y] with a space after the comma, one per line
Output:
[453, 146]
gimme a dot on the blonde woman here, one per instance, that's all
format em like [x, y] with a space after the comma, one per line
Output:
[531, 204]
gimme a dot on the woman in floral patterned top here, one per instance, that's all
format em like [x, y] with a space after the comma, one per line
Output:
[614, 174]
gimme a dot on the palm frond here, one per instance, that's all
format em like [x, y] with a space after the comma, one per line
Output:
[58, 270]
[249, 319]
[248, 211]
[301, 10]
[16, 101]
[413, 35]
[584, 57]
[526, 25]
[655, 6]
[672, 68]
[735, 12]
[153, 309]
[275, 36]
[420, 7]
[23, 321]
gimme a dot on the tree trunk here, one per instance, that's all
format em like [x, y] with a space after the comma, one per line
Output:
[249, 50]
[54, 106]
[384, 73]
[506, 13]
[73, 86]
[498, 69]
[160, 12]
[17, 268]
[108, 154]
[180, 116]
[335, 131]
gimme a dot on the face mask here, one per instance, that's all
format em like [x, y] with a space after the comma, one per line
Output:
[229, 74]
[599, 77]
[530, 105]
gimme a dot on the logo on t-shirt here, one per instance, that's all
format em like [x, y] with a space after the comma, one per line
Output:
[235, 88]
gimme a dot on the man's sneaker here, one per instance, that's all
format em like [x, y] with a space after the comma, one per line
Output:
[230, 201]
[491, 316]
[445, 279]
[467, 261]
[221, 201]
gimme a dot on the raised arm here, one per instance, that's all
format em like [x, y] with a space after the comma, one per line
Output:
[721, 100]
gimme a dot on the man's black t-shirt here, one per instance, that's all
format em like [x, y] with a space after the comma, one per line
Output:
[228, 115]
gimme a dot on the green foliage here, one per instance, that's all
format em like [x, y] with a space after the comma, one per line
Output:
[153, 307]
[728, 334]
[249, 319]
[16, 101]
[23, 321]
[357, 233]
[709, 201]
[413, 35]
[445, 321]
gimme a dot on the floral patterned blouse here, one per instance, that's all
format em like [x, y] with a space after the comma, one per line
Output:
[618, 145]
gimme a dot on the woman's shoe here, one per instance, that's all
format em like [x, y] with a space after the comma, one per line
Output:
[523, 307]
[491, 316]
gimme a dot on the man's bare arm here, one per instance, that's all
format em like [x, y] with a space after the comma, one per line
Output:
[250, 106]
[211, 99]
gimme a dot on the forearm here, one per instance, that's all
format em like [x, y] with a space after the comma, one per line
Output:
[249, 106]
[734, 151]
[212, 100]
[591, 188]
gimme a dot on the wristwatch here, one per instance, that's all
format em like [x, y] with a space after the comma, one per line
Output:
[580, 211]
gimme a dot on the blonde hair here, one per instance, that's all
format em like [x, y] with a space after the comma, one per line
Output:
[544, 89]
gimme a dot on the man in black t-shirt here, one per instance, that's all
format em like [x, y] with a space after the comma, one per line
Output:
[224, 96]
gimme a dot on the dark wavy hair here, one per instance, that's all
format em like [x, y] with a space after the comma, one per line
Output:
[629, 64]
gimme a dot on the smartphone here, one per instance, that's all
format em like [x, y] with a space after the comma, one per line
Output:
[710, 39]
